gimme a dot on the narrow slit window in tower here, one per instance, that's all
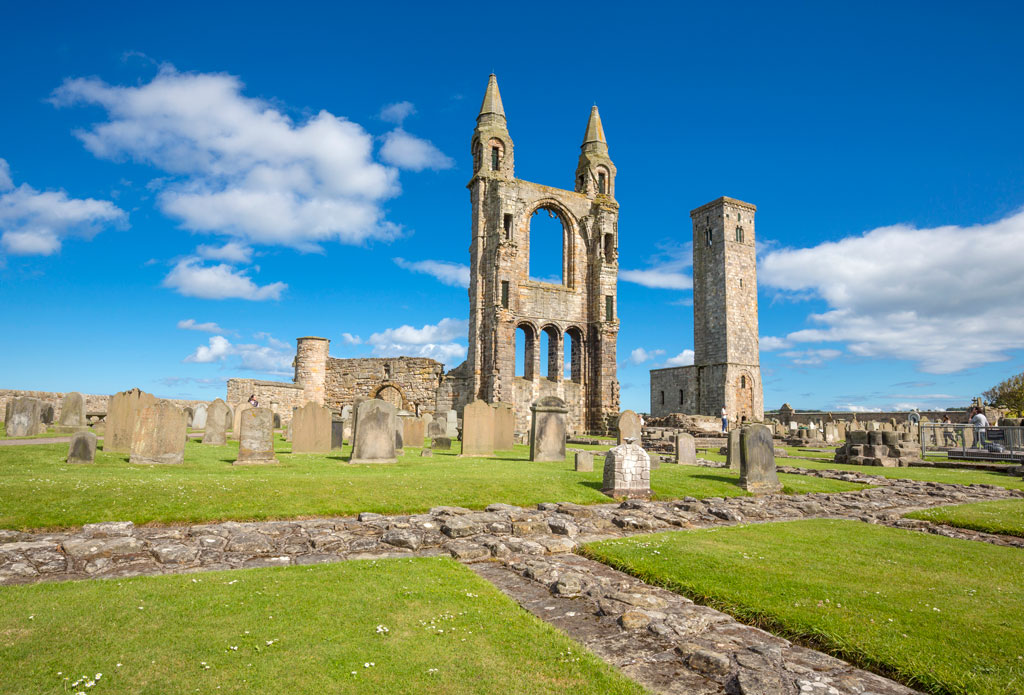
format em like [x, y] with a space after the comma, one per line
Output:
[504, 294]
[495, 158]
[680, 396]
[609, 308]
[602, 182]
[739, 234]
[609, 246]
[663, 398]
[508, 226]
[707, 236]
[743, 382]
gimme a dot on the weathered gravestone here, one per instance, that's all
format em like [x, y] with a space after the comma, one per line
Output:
[478, 429]
[547, 429]
[26, 417]
[124, 407]
[629, 427]
[414, 430]
[159, 434]
[686, 449]
[504, 426]
[189, 413]
[277, 421]
[438, 427]
[47, 414]
[236, 422]
[72, 414]
[216, 423]
[311, 429]
[373, 436]
[584, 461]
[441, 443]
[337, 434]
[255, 437]
[452, 424]
[7, 410]
[733, 456]
[627, 472]
[199, 417]
[757, 461]
[82, 448]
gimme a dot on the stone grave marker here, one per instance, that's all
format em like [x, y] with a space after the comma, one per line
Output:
[199, 417]
[452, 424]
[627, 472]
[414, 430]
[26, 417]
[311, 429]
[438, 427]
[376, 427]
[216, 428]
[478, 429]
[189, 413]
[686, 449]
[159, 434]
[236, 421]
[732, 456]
[504, 426]
[121, 413]
[337, 434]
[82, 448]
[72, 414]
[441, 443]
[255, 437]
[757, 461]
[584, 461]
[547, 429]
[47, 414]
[629, 427]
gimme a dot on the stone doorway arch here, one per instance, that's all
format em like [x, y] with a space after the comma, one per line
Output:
[392, 394]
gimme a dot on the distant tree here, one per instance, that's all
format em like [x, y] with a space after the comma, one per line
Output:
[1008, 394]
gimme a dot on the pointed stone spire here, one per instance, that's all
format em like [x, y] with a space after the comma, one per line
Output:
[492, 99]
[595, 131]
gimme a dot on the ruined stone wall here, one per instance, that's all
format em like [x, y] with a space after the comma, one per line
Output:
[279, 396]
[673, 390]
[310, 364]
[406, 382]
[94, 403]
[804, 418]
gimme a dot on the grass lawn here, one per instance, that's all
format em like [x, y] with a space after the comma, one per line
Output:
[37, 489]
[290, 630]
[1002, 516]
[939, 614]
[48, 433]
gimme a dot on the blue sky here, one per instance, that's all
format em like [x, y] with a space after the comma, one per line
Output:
[188, 188]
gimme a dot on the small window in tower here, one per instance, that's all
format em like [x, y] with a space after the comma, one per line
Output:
[508, 226]
[707, 236]
[739, 234]
[609, 308]
[504, 294]
[741, 282]
[743, 382]
[609, 247]
[579, 184]
[495, 158]
[663, 398]
[387, 371]
[602, 182]
[680, 396]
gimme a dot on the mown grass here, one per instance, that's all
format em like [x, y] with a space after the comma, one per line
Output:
[941, 615]
[1001, 516]
[47, 434]
[39, 490]
[297, 630]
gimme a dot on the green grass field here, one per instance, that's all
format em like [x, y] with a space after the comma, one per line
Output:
[939, 614]
[38, 489]
[48, 434]
[291, 630]
[1002, 516]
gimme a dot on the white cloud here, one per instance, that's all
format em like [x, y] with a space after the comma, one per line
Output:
[852, 408]
[191, 278]
[771, 342]
[454, 274]
[398, 112]
[683, 359]
[272, 341]
[666, 269]
[435, 341]
[351, 339]
[275, 358]
[208, 327]
[218, 349]
[410, 152]
[640, 355]
[34, 223]
[232, 252]
[947, 298]
[236, 165]
[812, 357]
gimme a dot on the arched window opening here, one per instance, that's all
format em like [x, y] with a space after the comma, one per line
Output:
[707, 236]
[551, 345]
[609, 247]
[495, 157]
[739, 234]
[743, 382]
[476, 155]
[526, 348]
[507, 226]
[573, 355]
[602, 182]
[548, 238]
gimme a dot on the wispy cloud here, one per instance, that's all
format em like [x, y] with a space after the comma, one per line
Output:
[665, 269]
[640, 355]
[436, 341]
[191, 278]
[454, 274]
[193, 325]
[683, 359]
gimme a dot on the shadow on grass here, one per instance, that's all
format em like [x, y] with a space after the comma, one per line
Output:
[729, 480]
[593, 484]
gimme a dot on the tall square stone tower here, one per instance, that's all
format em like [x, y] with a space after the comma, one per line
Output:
[506, 305]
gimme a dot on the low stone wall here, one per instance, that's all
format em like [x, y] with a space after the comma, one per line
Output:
[279, 396]
[94, 403]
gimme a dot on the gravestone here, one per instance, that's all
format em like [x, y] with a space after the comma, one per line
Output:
[7, 410]
[627, 472]
[414, 430]
[757, 461]
[504, 426]
[82, 448]
[629, 426]
[732, 456]
[216, 431]
[452, 424]
[188, 415]
[337, 434]
[584, 461]
[438, 427]
[121, 413]
[159, 434]
[373, 438]
[277, 421]
[72, 414]
[236, 421]
[47, 414]
[547, 429]
[26, 417]
[311, 429]
[255, 437]
[686, 449]
[441, 443]
[199, 417]
[478, 429]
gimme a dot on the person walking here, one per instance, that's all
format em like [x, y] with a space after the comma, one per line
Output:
[725, 420]
[980, 423]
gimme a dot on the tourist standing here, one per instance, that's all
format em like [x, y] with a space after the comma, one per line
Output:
[725, 420]
[980, 422]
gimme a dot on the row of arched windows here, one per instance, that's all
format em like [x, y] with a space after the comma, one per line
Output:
[553, 344]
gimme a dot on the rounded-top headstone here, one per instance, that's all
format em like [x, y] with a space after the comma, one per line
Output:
[256, 437]
[547, 430]
[82, 448]
[375, 431]
[217, 419]
[757, 461]
[629, 426]
[72, 411]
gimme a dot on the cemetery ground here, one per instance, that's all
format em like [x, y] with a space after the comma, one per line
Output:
[1003, 516]
[939, 614]
[418, 625]
[40, 490]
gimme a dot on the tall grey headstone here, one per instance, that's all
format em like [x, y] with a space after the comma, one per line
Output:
[629, 427]
[584, 461]
[477, 429]
[72, 413]
[375, 431]
[255, 437]
[337, 434]
[217, 418]
[732, 456]
[159, 435]
[311, 429]
[627, 472]
[82, 448]
[686, 449]
[438, 427]
[451, 424]
[199, 416]
[547, 429]
[504, 426]
[757, 461]
[26, 417]
[122, 410]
